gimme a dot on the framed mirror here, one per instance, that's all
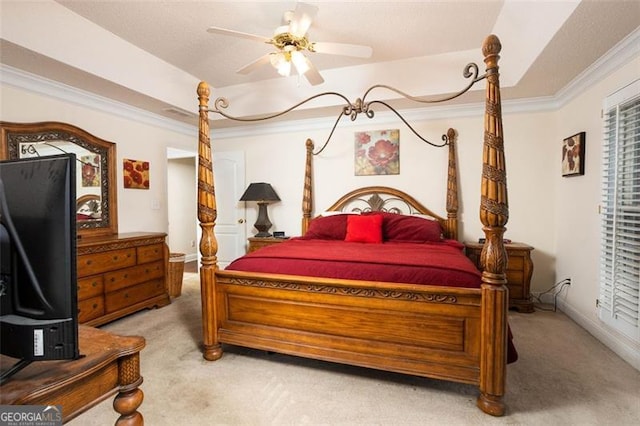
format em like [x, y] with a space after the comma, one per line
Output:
[95, 173]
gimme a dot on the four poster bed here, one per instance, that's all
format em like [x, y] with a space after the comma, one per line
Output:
[445, 328]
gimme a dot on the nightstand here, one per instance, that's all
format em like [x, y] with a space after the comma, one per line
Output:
[256, 243]
[519, 272]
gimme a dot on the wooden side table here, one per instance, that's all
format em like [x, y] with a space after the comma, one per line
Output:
[256, 243]
[109, 364]
[519, 272]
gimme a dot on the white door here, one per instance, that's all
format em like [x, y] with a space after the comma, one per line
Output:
[228, 174]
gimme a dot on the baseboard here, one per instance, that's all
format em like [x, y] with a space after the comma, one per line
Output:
[622, 346]
[193, 257]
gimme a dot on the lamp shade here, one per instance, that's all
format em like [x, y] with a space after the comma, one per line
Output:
[260, 191]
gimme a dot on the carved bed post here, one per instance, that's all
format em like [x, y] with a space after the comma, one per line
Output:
[452, 187]
[207, 215]
[494, 213]
[307, 191]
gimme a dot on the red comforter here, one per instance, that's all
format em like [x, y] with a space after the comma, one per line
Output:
[437, 263]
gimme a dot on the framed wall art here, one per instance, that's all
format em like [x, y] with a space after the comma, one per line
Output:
[136, 174]
[377, 152]
[90, 170]
[573, 150]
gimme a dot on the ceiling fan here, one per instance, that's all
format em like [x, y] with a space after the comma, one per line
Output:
[291, 42]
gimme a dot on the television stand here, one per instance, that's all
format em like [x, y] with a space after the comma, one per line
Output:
[109, 364]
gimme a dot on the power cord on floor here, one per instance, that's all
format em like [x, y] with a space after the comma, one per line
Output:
[556, 289]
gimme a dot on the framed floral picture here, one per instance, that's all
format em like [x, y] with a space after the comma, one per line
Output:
[377, 152]
[90, 170]
[136, 174]
[573, 149]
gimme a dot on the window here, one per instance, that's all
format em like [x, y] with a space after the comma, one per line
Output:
[619, 300]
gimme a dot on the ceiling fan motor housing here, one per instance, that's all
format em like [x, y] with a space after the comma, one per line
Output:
[285, 41]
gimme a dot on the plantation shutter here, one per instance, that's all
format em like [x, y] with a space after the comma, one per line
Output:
[619, 299]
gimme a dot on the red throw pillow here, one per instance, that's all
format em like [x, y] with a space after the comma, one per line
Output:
[364, 229]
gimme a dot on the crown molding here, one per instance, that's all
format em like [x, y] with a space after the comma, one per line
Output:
[619, 55]
[625, 51]
[42, 86]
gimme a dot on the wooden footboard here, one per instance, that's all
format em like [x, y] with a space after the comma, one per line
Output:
[415, 329]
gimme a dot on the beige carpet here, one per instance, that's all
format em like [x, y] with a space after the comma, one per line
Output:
[558, 380]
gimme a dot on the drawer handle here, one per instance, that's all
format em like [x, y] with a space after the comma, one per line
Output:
[94, 284]
[89, 262]
[115, 257]
[126, 295]
[146, 271]
[126, 275]
[95, 305]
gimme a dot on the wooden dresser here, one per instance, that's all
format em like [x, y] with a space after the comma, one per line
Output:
[519, 272]
[120, 274]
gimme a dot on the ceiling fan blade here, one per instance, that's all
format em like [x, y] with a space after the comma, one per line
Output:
[302, 18]
[233, 33]
[252, 66]
[354, 50]
[312, 74]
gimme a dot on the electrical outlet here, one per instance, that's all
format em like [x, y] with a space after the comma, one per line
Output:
[193, 243]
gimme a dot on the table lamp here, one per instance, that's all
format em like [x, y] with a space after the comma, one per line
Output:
[263, 193]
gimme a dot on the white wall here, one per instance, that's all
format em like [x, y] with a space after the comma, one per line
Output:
[134, 140]
[182, 206]
[578, 221]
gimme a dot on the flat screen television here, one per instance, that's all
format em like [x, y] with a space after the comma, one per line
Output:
[38, 278]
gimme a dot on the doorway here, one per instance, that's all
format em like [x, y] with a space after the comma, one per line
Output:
[182, 194]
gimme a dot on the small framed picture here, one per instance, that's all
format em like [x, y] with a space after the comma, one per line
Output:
[136, 174]
[573, 149]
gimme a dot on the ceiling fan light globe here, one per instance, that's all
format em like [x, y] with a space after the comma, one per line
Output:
[281, 63]
[300, 62]
[284, 69]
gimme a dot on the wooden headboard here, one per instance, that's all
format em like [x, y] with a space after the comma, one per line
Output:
[384, 199]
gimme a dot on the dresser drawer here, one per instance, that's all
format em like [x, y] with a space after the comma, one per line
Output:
[515, 291]
[131, 295]
[134, 275]
[515, 263]
[96, 263]
[150, 253]
[90, 287]
[90, 308]
[256, 243]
